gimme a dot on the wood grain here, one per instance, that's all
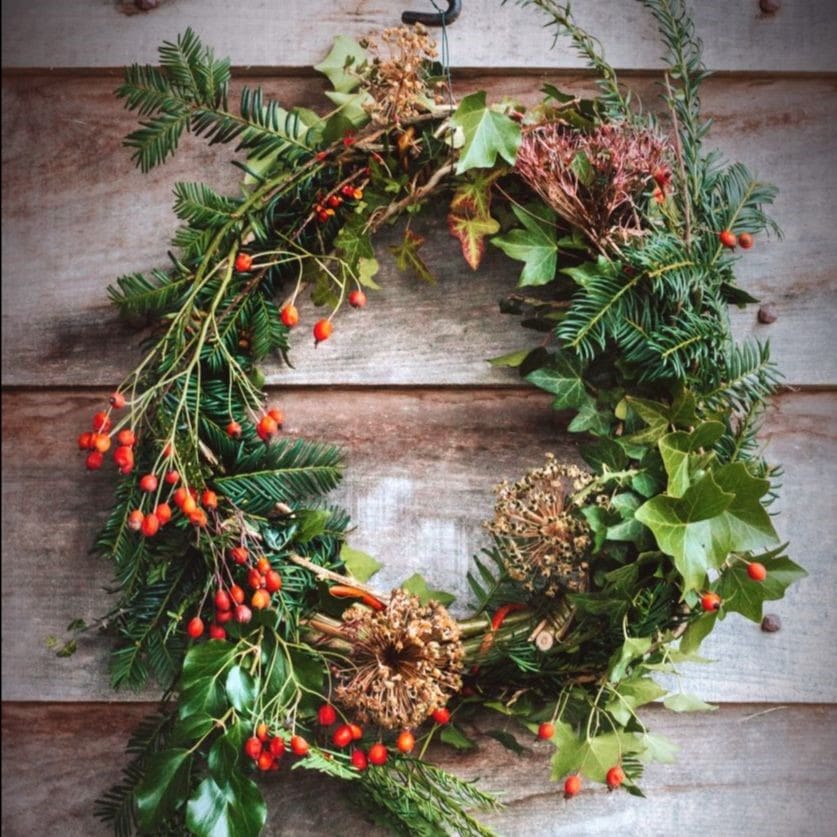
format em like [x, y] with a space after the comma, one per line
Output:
[421, 467]
[93, 33]
[744, 770]
[76, 215]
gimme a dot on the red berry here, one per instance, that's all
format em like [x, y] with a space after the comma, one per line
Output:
[662, 176]
[94, 461]
[222, 600]
[123, 456]
[198, 518]
[441, 715]
[289, 315]
[243, 614]
[163, 513]
[357, 732]
[272, 581]
[323, 329]
[266, 428]
[243, 262]
[148, 483]
[254, 578]
[378, 754]
[239, 554]
[253, 747]
[102, 422]
[357, 299]
[326, 715]
[342, 736]
[710, 602]
[217, 632]
[265, 761]
[334, 201]
[223, 616]
[359, 760]
[209, 499]
[260, 599]
[127, 438]
[180, 495]
[195, 627]
[262, 732]
[406, 741]
[615, 777]
[234, 430]
[277, 415]
[728, 239]
[84, 441]
[348, 191]
[237, 594]
[745, 241]
[546, 731]
[117, 401]
[135, 520]
[572, 786]
[277, 747]
[299, 746]
[172, 477]
[150, 525]
[756, 571]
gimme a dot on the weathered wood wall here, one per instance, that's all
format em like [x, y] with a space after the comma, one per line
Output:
[428, 426]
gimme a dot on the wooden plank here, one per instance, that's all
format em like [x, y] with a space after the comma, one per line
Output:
[738, 771]
[76, 215]
[422, 465]
[91, 33]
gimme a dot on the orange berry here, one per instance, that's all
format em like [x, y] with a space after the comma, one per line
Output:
[260, 599]
[710, 602]
[263, 565]
[126, 437]
[265, 761]
[209, 499]
[239, 554]
[189, 506]
[756, 571]
[277, 415]
[94, 460]
[180, 495]
[243, 262]
[299, 746]
[357, 194]
[546, 731]
[148, 483]
[237, 594]
[135, 519]
[357, 732]
[615, 777]
[266, 427]
[198, 518]
[150, 525]
[195, 627]
[101, 442]
[406, 741]
[323, 329]
[163, 513]
[572, 786]
[262, 732]
[289, 315]
[357, 299]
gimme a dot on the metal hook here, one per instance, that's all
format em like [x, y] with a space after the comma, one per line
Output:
[439, 19]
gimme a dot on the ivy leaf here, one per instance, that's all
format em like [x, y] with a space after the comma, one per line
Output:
[471, 231]
[678, 448]
[407, 256]
[512, 360]
[563, 379]
[416, 585]
[353, 243]
[593, 757]
[746, 596]
[657, 748]
[591, 419]
[351, 110]
[454, 737]
[651, 413]
[359, 564]
[535, 244]
[633, 648]
[235, 810]
[240, 688]
[346, 53]
[682, 702]
[633, 692]
[366, 269]
[487, 133]
[164, 783]
[697, 631]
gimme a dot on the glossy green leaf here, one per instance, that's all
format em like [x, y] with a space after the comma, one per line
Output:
[165, 782]
[746, 596]
[454, 737]
[534, 244]
[563, 379]
[241, 689]
[487, 133]
[679, 453]
[233, 809]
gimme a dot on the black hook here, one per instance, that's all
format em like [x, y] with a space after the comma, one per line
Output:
[439, 19]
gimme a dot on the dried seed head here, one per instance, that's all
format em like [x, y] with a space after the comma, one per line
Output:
[541, 534]
[407, 661]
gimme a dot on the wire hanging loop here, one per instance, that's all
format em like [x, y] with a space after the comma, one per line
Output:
[439, 19]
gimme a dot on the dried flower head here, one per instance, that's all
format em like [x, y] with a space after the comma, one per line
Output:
[593, 180]
[397, 77]
[407, 661]
[543, 537]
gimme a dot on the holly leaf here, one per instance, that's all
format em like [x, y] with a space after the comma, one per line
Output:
[407, 257]
[234, 810]
[678, 449]
[471, 231]
[487, 133]
[359, 564]
[563, 379]
[746, 596]
[417, 585]
[535, 244]
[165, 781]
[340, 65]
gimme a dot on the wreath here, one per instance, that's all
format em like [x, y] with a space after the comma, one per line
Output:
[238, 592]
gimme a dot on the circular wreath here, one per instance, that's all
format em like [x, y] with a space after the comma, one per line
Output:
[238, 592]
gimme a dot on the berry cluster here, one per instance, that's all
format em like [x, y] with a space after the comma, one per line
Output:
[730, 240]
